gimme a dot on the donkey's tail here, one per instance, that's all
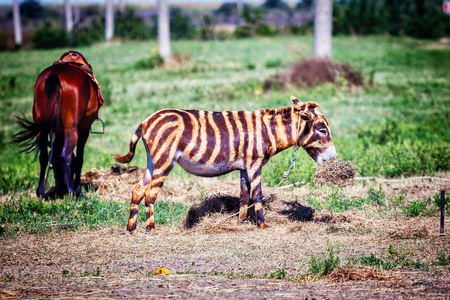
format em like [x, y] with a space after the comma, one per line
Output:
[34, 133]
[134, 140]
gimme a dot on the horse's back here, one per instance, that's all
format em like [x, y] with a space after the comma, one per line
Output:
[77, 104]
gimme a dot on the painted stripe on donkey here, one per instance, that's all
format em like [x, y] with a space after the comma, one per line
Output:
[210, 144]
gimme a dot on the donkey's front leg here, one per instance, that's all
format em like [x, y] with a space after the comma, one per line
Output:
[256, 193]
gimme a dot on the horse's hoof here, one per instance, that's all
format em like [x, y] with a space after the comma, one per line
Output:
[78, 193]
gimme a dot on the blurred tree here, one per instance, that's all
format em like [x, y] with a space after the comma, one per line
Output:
[275, 4]
[17, 23]
[304, 4]
[128, 25]
[48, 36]
[181, 26]
[32, 9]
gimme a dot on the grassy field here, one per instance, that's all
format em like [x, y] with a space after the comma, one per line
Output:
[395, 126]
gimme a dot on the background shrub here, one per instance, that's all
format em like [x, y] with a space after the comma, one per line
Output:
[49, 36]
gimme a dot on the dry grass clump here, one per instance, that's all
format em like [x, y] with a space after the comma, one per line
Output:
[311, 72]
[340, 275]
[216, 203]
[335, 171]
[409, 233]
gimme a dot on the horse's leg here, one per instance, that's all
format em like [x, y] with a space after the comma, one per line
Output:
[79, 159]
[70, 141]
[60, 186]
[43, 161]
[244, 196]
[256, 194]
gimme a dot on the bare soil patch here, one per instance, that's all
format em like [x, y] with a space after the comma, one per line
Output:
[229, 259]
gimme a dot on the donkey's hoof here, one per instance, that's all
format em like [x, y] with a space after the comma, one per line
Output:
[132, 228]
[150, 229]
[264, 226]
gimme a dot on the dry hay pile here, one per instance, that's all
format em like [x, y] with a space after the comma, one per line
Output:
[409, 229]
[335, 171]
[340, 275]
[311, 72]
[116, 182]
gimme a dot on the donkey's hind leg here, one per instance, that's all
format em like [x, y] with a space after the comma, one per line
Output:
[138, 193]
[158, 178]
[136, 196]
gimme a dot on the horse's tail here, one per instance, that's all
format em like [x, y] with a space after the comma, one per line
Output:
[33, 132]
[52, 99]
[134, 140]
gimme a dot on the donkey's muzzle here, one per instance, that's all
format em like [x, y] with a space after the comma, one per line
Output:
[327, 154]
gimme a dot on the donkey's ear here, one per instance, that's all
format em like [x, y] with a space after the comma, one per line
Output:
[311, 105]
[295, 101]
[307, 116]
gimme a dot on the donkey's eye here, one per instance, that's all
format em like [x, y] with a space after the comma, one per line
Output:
[323, 131]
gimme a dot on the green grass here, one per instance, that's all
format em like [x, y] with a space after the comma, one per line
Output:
[396, 258]
[37, 216]
[398, 126]
[337, 201]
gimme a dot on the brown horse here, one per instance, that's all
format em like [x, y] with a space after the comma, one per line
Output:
[66, 103]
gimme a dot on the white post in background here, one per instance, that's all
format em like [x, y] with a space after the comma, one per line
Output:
[239, 9]
[69, 18]
[16, 21]
[323, 14]
[163, 29]
[109, 20]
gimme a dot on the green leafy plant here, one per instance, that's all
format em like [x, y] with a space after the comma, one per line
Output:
[273, 63]
[325, 263]
[278, 274]
[152, 62]
[376, 196]
[442, 260]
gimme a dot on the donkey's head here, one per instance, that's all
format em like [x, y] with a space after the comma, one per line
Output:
[75, 57]
[314, 132]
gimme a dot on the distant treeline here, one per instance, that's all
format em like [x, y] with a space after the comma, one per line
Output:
[44, 26]
[415, 18]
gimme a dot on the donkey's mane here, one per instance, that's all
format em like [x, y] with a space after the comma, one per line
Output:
[278, 111]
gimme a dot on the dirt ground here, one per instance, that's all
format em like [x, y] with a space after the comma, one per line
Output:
[226, 259]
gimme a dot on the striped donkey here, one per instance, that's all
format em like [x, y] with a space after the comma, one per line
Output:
[215, 143]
